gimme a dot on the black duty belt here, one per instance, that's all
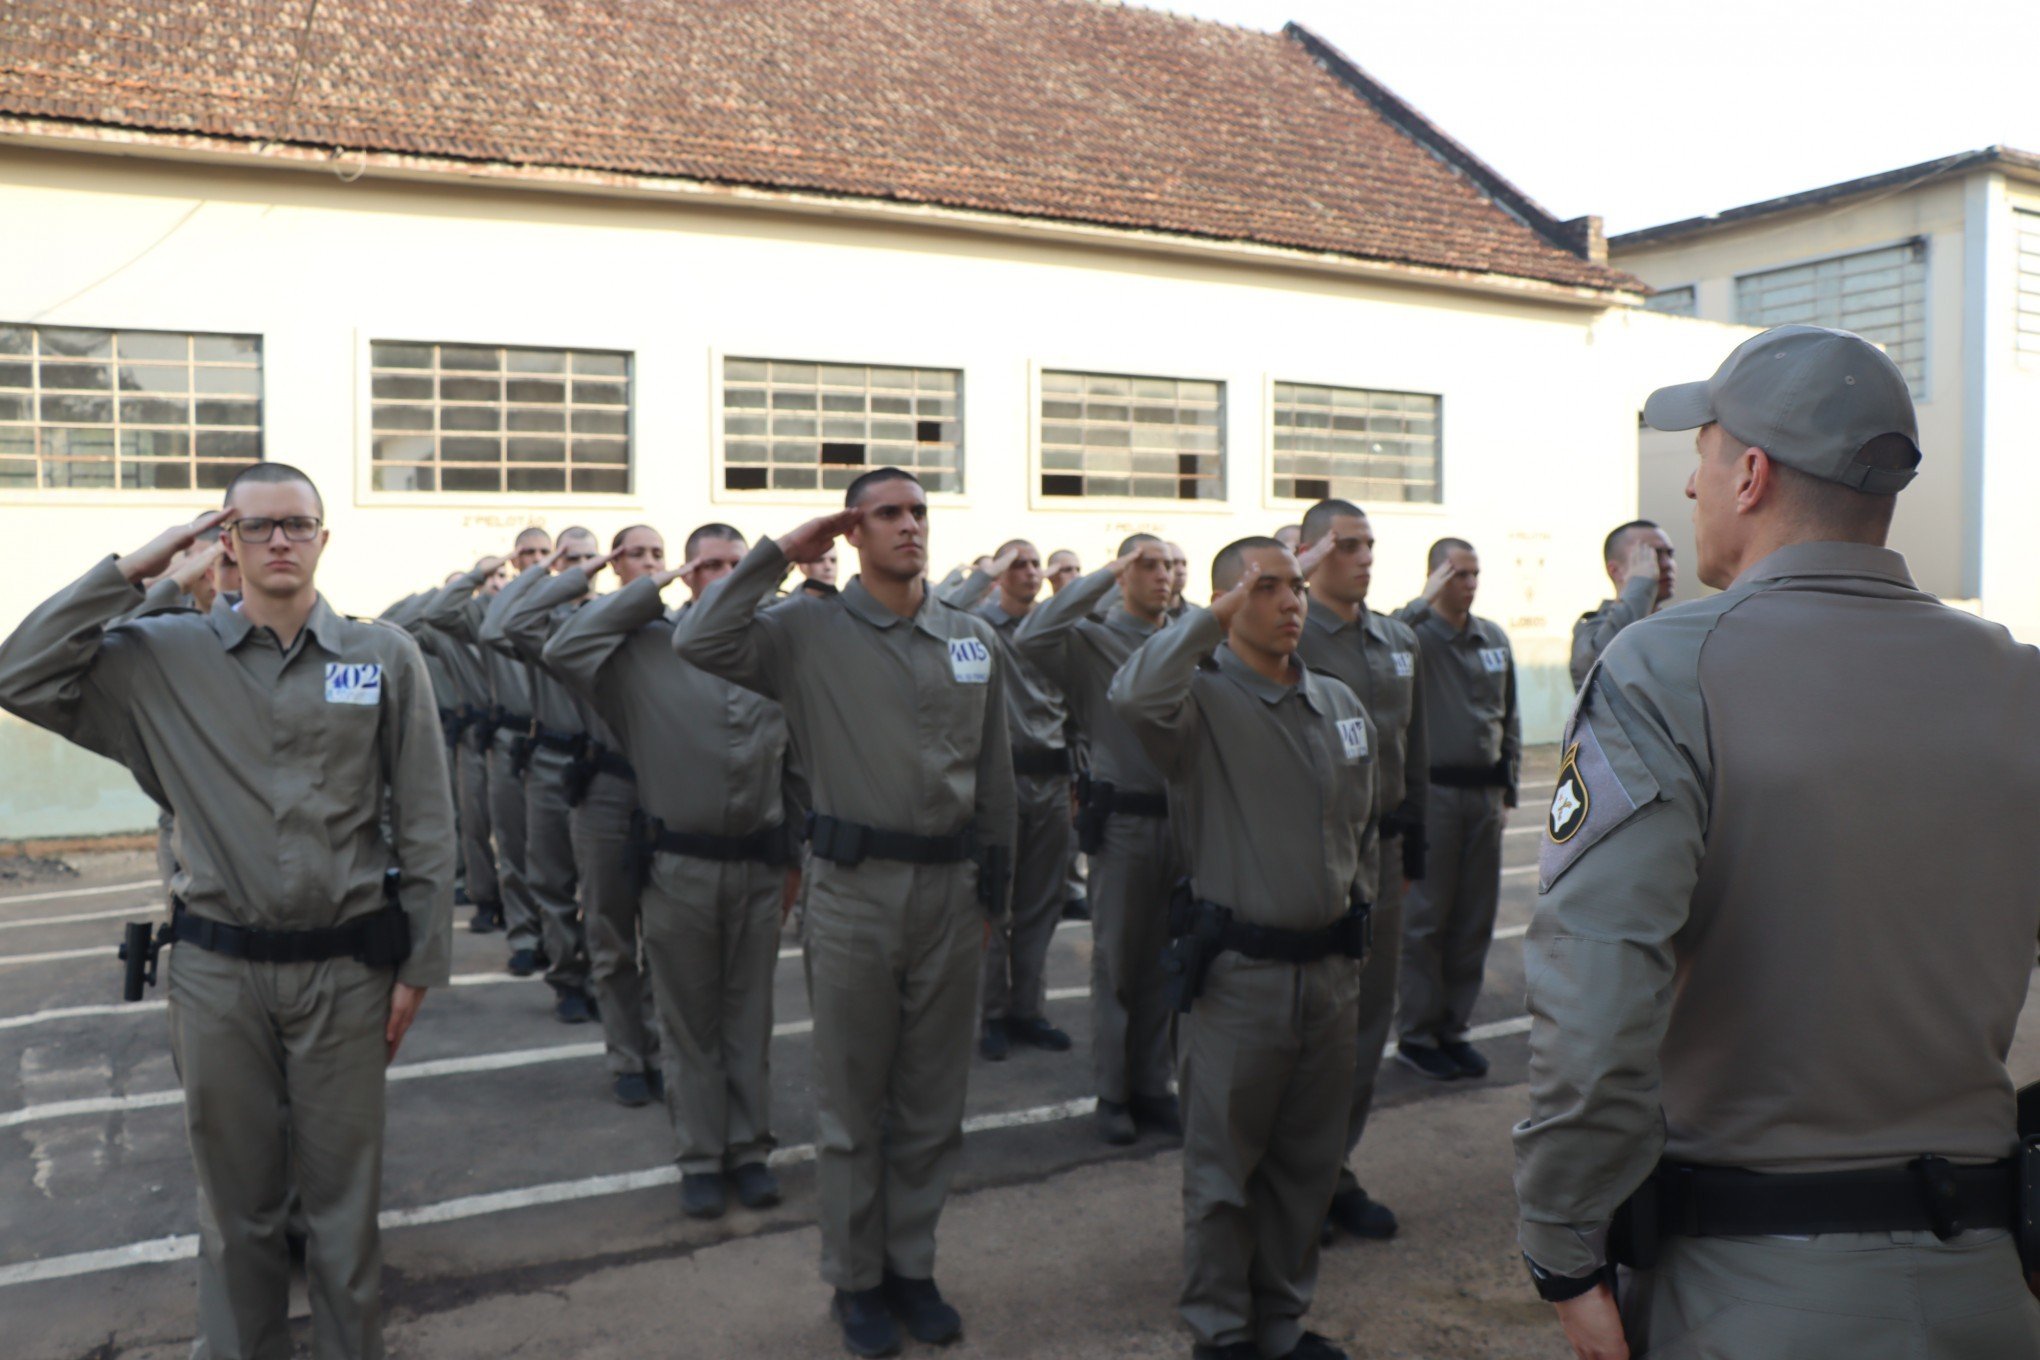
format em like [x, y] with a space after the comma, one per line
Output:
[1111, 800]
[570, 743]
[1040, 762]
[609, 762]
[1350, 936]
[1494, 776]
[851, 843]
[768, 846]
[382, 940]
[506, 721]
[1929, 1194]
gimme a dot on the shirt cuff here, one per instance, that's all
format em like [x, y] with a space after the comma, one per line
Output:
[1562, 1249]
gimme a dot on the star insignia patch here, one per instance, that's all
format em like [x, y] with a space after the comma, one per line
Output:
[1570, 801]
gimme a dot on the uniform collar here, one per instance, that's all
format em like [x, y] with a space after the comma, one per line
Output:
[1122, 620]
[1830, 559]
[1260, 686]
[1326, 619]
[233, 627]
[865, 606]
[994, 613]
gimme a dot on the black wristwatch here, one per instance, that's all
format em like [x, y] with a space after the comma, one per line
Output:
[1558, 1288]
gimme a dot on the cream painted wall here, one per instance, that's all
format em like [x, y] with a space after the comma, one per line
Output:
[1932, 527]
[1540, 400]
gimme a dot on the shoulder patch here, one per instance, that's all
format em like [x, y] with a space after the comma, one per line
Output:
[1602, 783]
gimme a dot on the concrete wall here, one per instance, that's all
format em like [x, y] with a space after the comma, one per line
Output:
[1936, 526]
[1540, 400]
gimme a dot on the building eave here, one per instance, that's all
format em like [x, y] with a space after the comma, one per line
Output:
[350, 166]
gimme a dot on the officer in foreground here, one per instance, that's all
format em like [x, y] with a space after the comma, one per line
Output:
[1787, 918]
[279, 733]
[1271, 781]
[1638, 558]
[897, 706]
[1378, 659]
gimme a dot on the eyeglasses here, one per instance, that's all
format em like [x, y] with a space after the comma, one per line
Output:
[298, 529]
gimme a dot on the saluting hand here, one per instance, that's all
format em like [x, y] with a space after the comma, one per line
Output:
[1003, 562]
[192, 569]
[152, 557]
[811, 540]
[1593, 1324]
[1307, 560]
[1118, 566]
[485, 567]
[1227, 606]
[1438, 580]
[1644, 562]
[594, 565]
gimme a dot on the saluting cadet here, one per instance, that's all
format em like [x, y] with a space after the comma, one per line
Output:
[1378, 659]
[281, 735]
[897, 706]
[1124, 827]
[503, 733]
[557, 738]
[1638, 557]
[1271, 776]
[1476, 742]
[1787, 918]
[462, 666]
[716, 780]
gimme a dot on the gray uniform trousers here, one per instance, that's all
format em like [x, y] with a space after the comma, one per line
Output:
[1377, 998]
[477, 855]
[549, 869]
[1837, 1296]
[1449, 920]
[600, 827]
[1131, 877]
[506, 820]
[1267, 1074]
[251, 1040]
[712, 943]
[1016, 954]
[892, 969]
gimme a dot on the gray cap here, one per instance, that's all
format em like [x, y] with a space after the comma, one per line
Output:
[1813, 399]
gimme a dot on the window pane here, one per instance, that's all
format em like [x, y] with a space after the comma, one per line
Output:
[138, 345]
[461, 396]
[64, 473]
[229, 444]
[56, 340]
[237, 382]
[406, 479]
[1105, 434]
[57, 406]
[1879, 294]
[229, 413]
[1355, 444]
[156, 476]
[867, 423]
[154, 411]
[605, 481]
[77, 377]
[238, 349]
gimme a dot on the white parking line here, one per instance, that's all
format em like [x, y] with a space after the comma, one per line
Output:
[81, 892]
[163, 1249]
[104, 951]
[75, 916]
[794, 952]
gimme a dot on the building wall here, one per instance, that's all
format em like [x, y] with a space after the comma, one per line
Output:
[1936, 526]
[1540, 400]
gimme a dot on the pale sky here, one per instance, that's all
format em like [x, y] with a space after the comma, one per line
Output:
[1646, 111]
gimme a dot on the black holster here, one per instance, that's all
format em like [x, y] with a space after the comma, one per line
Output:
[580, 772]
[994, 878]
[1094, 809]
[1197, 931]
[483, 722]
[452, 722]
[140, 945]
[520, 755]
[2026, 1213]
[637, 851]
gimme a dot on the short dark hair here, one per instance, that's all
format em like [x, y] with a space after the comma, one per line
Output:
[269, 474]
[1443, 549]
[1015, 543]
[528, 530]
[1317, 521]
[575, 531]
[711, 533]
[625, 532]
[1614, 538]
[1132, 541]
[855, 491]
[1231, 562]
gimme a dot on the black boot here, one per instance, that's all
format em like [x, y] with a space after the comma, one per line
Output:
[866, 1322]
[920, 1306]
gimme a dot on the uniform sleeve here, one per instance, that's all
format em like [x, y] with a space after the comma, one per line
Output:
[448, 607]
[997, 806]
[161, 596]
[1599, 964]
[1417, 746]
[1415, 612]
[727, 633]
[421, 820]
[579, 652]
[527, 621]
[494, 635]
[1512, 735]
[1152, 694]
[63, 671]
[1044, 636]
[966, 593]
[1592, 634]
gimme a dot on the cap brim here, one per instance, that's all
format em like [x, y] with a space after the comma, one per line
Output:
[1683, 406]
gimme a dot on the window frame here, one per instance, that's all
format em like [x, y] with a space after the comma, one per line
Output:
[1272, 501]
[1923, 241]
[1144, 507]
[1692, 289]
[567, 337]
[105, 496]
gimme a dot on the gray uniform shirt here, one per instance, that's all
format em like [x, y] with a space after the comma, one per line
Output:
[1789, 894]
[1594, 631]
[899, 722]
[1378, 659]
[462, 663]
[1035, 712]
[1080, 655]
[552, 707]
[711, 757]
[1469, 677]
[1272, 786]
[278, 764]
[529, 623]
[457, 611]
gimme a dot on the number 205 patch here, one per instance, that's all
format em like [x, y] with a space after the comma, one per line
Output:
[970, 661]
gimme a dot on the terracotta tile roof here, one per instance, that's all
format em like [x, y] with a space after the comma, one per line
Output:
[1065, 109]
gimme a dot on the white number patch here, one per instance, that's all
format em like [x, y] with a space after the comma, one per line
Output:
[1494, 660]
[353, 684]
[1353, 736]
[970, 661]
[1405, 664]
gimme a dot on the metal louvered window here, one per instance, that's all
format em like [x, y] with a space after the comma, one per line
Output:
[1879, 294]
[1671, 301]
[127, 410]
[798, 426]
[492, 419]
[1356, 444]
[1106, 434]
[2026, 316]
